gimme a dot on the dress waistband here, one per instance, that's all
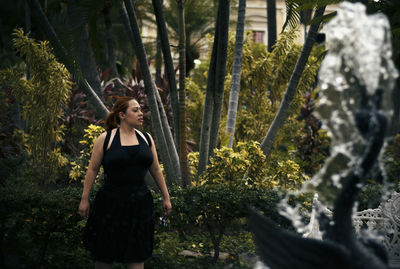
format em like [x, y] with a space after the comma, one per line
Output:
[125, 188]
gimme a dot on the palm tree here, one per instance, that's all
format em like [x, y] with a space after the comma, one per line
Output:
[199, 19]
[215, 87]
[110, 40]
[182, 96]
[271, 20]
[280, 117]
[169, 65]
[86, 57]
[67, 58]
[163, 136]
[220, 72]
[236, 72]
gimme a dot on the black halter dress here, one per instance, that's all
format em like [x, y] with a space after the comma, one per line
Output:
[120, 226]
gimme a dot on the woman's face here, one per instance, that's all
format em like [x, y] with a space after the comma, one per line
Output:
[133, 115]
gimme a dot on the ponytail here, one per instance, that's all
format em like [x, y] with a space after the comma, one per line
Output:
[112, 121]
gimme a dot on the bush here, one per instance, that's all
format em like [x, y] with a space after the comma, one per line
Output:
[218, 209]
[41, 229]
[80, 165]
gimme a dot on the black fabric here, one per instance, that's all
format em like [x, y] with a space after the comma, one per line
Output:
[106, 140]
[146, 135]
[120, 226]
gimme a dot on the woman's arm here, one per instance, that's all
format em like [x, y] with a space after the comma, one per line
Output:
[91, 173]
[156, 172]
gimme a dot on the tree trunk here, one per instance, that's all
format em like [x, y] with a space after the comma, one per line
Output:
[158, 60]
[127, 26]
[88, 62]
[280, 117]
[182, 96]
[163, 136]
[86, 57]
[164, 121]
[271, 20]
[67, 59]
[236, 72]
[220, 65]
[110, 43]
[208, 106]
[169, 66]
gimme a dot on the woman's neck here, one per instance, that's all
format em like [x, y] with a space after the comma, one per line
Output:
[124, 128]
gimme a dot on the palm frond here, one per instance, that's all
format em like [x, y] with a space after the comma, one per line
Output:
[293, 14]
[295, 7]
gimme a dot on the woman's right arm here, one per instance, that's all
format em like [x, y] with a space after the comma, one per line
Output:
[91, 173]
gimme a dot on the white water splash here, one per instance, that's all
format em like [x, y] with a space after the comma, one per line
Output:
[358, 62]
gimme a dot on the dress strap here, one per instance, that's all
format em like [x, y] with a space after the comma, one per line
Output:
[106, 140]
[146, 135]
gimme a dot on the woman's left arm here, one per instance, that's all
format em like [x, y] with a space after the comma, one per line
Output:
[156, 173]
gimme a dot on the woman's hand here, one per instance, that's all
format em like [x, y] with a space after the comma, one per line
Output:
[167, 207]
[84, 208]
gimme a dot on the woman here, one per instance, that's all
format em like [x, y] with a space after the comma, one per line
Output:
[120, 224]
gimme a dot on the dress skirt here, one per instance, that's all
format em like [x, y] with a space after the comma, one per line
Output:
[120, 227]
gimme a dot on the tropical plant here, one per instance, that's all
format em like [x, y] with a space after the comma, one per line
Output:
[182, 96]
[215, 87]
[42, 98]
[199, 21]
[271, 22]
[80, 165]
[68, 58]
[312, 144]
[236, 72]
[169, 66]
[282, 113]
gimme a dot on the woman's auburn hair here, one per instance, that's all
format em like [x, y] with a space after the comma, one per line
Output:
[121, 105]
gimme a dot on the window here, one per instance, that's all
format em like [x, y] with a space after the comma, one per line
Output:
[258, 36]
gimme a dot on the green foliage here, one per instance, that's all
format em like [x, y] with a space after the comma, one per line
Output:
[195, 106]
[219, 209]
[245, 161]
[218, 202]
[312, 142]
[12, 156]
[391, 160]
[40, 228]
[287, 174]
[42, 98]
[263, 82]
[80, 165]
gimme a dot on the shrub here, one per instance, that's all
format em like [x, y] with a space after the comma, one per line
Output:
[40, 228]
[42, 98]
[218, 209]
[80, 165]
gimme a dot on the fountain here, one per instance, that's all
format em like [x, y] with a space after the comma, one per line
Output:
[356, 80]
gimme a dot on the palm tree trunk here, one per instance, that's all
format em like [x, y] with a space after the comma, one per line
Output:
[208, 106]
[86, 57]
[283, 111]
[271, 20]
[182, 96]
[110, 43]
[67, 59]
[88, 62]
[236, 72]
[169, 66]
[158, 60]
[163, 136]
[220, 72]
[171, 147]
[127, 26]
